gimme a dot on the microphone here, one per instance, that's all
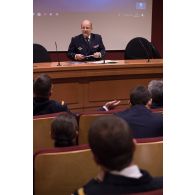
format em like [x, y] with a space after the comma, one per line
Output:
[144, 49]
[57, 55]
[104, 58]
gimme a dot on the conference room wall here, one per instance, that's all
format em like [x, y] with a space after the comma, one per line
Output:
[157, 36]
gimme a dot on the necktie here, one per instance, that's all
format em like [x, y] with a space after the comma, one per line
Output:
[87, 41]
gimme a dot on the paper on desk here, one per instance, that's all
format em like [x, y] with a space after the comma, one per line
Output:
[88, 56]
[102, 62]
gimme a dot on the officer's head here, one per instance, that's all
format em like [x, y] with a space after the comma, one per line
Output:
[86, 28]
[111, 142]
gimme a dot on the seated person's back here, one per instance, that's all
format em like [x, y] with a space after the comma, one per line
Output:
[42, 89]
[142, 121]
[112, 145]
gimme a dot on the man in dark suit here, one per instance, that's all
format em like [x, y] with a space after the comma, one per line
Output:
[86, 46]
[42, 104]
[143, 122]
[112, 145]
[42, 89]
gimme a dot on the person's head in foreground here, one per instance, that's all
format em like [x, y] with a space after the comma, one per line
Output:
[64, 130]
[111, 143]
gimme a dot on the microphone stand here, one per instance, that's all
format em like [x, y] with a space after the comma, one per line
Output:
[57, 55]
[104, 61]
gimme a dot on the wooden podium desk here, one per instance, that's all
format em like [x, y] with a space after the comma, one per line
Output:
[87, 86]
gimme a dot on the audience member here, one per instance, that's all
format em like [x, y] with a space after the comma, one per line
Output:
[155, 87]
[143, 122]
[42, 89]
[86, 46]
[112, 145]
[64, 130]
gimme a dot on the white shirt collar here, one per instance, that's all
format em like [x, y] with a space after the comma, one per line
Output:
[131, 171]
[89, 37]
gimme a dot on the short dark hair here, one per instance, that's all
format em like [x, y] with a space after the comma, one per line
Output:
[155, 87]
[64, 130]
[42, 86]
[111, 142]
[140, 95]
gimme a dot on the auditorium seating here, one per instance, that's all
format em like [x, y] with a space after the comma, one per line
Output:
[61, 171]
[47, 115]
[153, 192]
[149, 155]
[42, 127]
[141, 48]
[159, 110]
[41, 133]
[85, 120]
[40, 54]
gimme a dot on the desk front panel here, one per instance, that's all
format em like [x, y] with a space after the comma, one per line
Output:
[88, 86]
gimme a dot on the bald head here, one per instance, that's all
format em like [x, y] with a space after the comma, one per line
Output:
[86, 23]
[86, 28]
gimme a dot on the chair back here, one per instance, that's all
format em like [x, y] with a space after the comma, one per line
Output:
[157, 110]
[42, 133]
[85, 122]
[153, 192]
[40, 54]
[149, 155]
[141, 48]
[61, 171]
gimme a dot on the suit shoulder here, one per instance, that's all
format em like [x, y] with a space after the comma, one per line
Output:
[97, 36]
[77, 37]
[123, 112]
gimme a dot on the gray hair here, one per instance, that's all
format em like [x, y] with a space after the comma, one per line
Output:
[155, 84]
[155, 87]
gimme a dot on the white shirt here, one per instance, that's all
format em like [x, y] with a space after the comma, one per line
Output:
[131, 171]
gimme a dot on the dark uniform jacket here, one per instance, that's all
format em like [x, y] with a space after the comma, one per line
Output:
[47, 106]
[79, 45]
[143, 122]
[116, 184]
